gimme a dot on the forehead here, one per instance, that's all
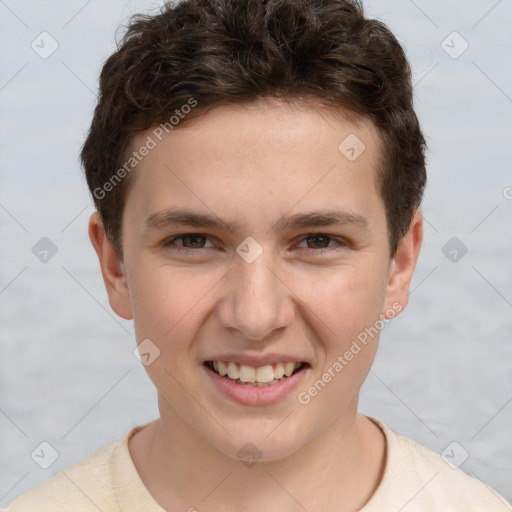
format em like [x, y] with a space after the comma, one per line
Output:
[261, 158]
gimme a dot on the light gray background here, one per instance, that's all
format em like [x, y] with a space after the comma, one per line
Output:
[67, 372]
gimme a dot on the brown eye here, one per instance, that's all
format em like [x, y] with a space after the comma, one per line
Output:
[193, 241]
[189, 241]
[320, 244]
[317, 241]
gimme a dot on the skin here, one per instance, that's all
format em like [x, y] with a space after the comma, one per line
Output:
[252, 165]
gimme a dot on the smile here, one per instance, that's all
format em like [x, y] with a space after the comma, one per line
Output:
[267, 375]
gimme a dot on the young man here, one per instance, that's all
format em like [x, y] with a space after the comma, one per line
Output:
[257, 168]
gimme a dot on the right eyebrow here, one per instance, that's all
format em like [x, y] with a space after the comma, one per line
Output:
[185, 217]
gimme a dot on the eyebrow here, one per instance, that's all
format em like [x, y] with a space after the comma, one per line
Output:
[186, 217]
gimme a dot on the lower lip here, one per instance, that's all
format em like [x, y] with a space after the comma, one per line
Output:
[256, 395]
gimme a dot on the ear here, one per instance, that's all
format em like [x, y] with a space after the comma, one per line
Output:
[112, 268]
[403, 264]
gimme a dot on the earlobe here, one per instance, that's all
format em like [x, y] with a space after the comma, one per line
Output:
[404, 263]
[112, 268]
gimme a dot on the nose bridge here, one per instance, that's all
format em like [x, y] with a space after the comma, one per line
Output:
[257, 302]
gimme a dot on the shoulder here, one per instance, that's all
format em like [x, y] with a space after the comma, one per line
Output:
[422, 480]
[84, 486]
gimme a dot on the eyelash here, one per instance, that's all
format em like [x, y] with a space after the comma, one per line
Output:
[342, 244]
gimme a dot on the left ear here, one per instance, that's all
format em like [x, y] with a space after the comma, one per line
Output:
[403, 264]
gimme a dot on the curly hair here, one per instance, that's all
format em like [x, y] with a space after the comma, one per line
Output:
[205, 53]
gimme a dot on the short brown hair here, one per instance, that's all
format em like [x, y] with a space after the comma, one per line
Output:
[230, 51]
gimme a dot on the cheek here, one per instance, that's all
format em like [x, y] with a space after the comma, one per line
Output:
[342, 303]
[169, 304]
[169, 307]
[343, 313]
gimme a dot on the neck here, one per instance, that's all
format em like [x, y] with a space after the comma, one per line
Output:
[337, 470]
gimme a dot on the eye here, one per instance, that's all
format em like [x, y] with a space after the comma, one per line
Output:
[321, 242]
[189, 241]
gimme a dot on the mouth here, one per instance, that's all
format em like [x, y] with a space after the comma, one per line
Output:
[256, 376]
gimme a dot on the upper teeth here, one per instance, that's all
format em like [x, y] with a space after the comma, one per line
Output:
[262, 374]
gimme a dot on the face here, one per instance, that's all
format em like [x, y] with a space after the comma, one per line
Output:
[253, 245]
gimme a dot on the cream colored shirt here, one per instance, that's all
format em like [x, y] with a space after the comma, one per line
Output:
[415, 480]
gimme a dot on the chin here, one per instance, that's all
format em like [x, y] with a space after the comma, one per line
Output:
[255, 444]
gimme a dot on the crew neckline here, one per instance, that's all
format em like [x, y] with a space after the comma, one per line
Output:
[133, 496]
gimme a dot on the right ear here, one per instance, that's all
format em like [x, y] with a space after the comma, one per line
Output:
[112, 268]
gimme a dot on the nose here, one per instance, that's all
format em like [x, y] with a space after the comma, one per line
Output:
[256, 302]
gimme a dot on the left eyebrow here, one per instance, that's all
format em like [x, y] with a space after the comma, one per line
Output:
[186, 217]
[322, 218]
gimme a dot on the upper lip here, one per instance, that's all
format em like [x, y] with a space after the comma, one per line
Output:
[256, 360]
